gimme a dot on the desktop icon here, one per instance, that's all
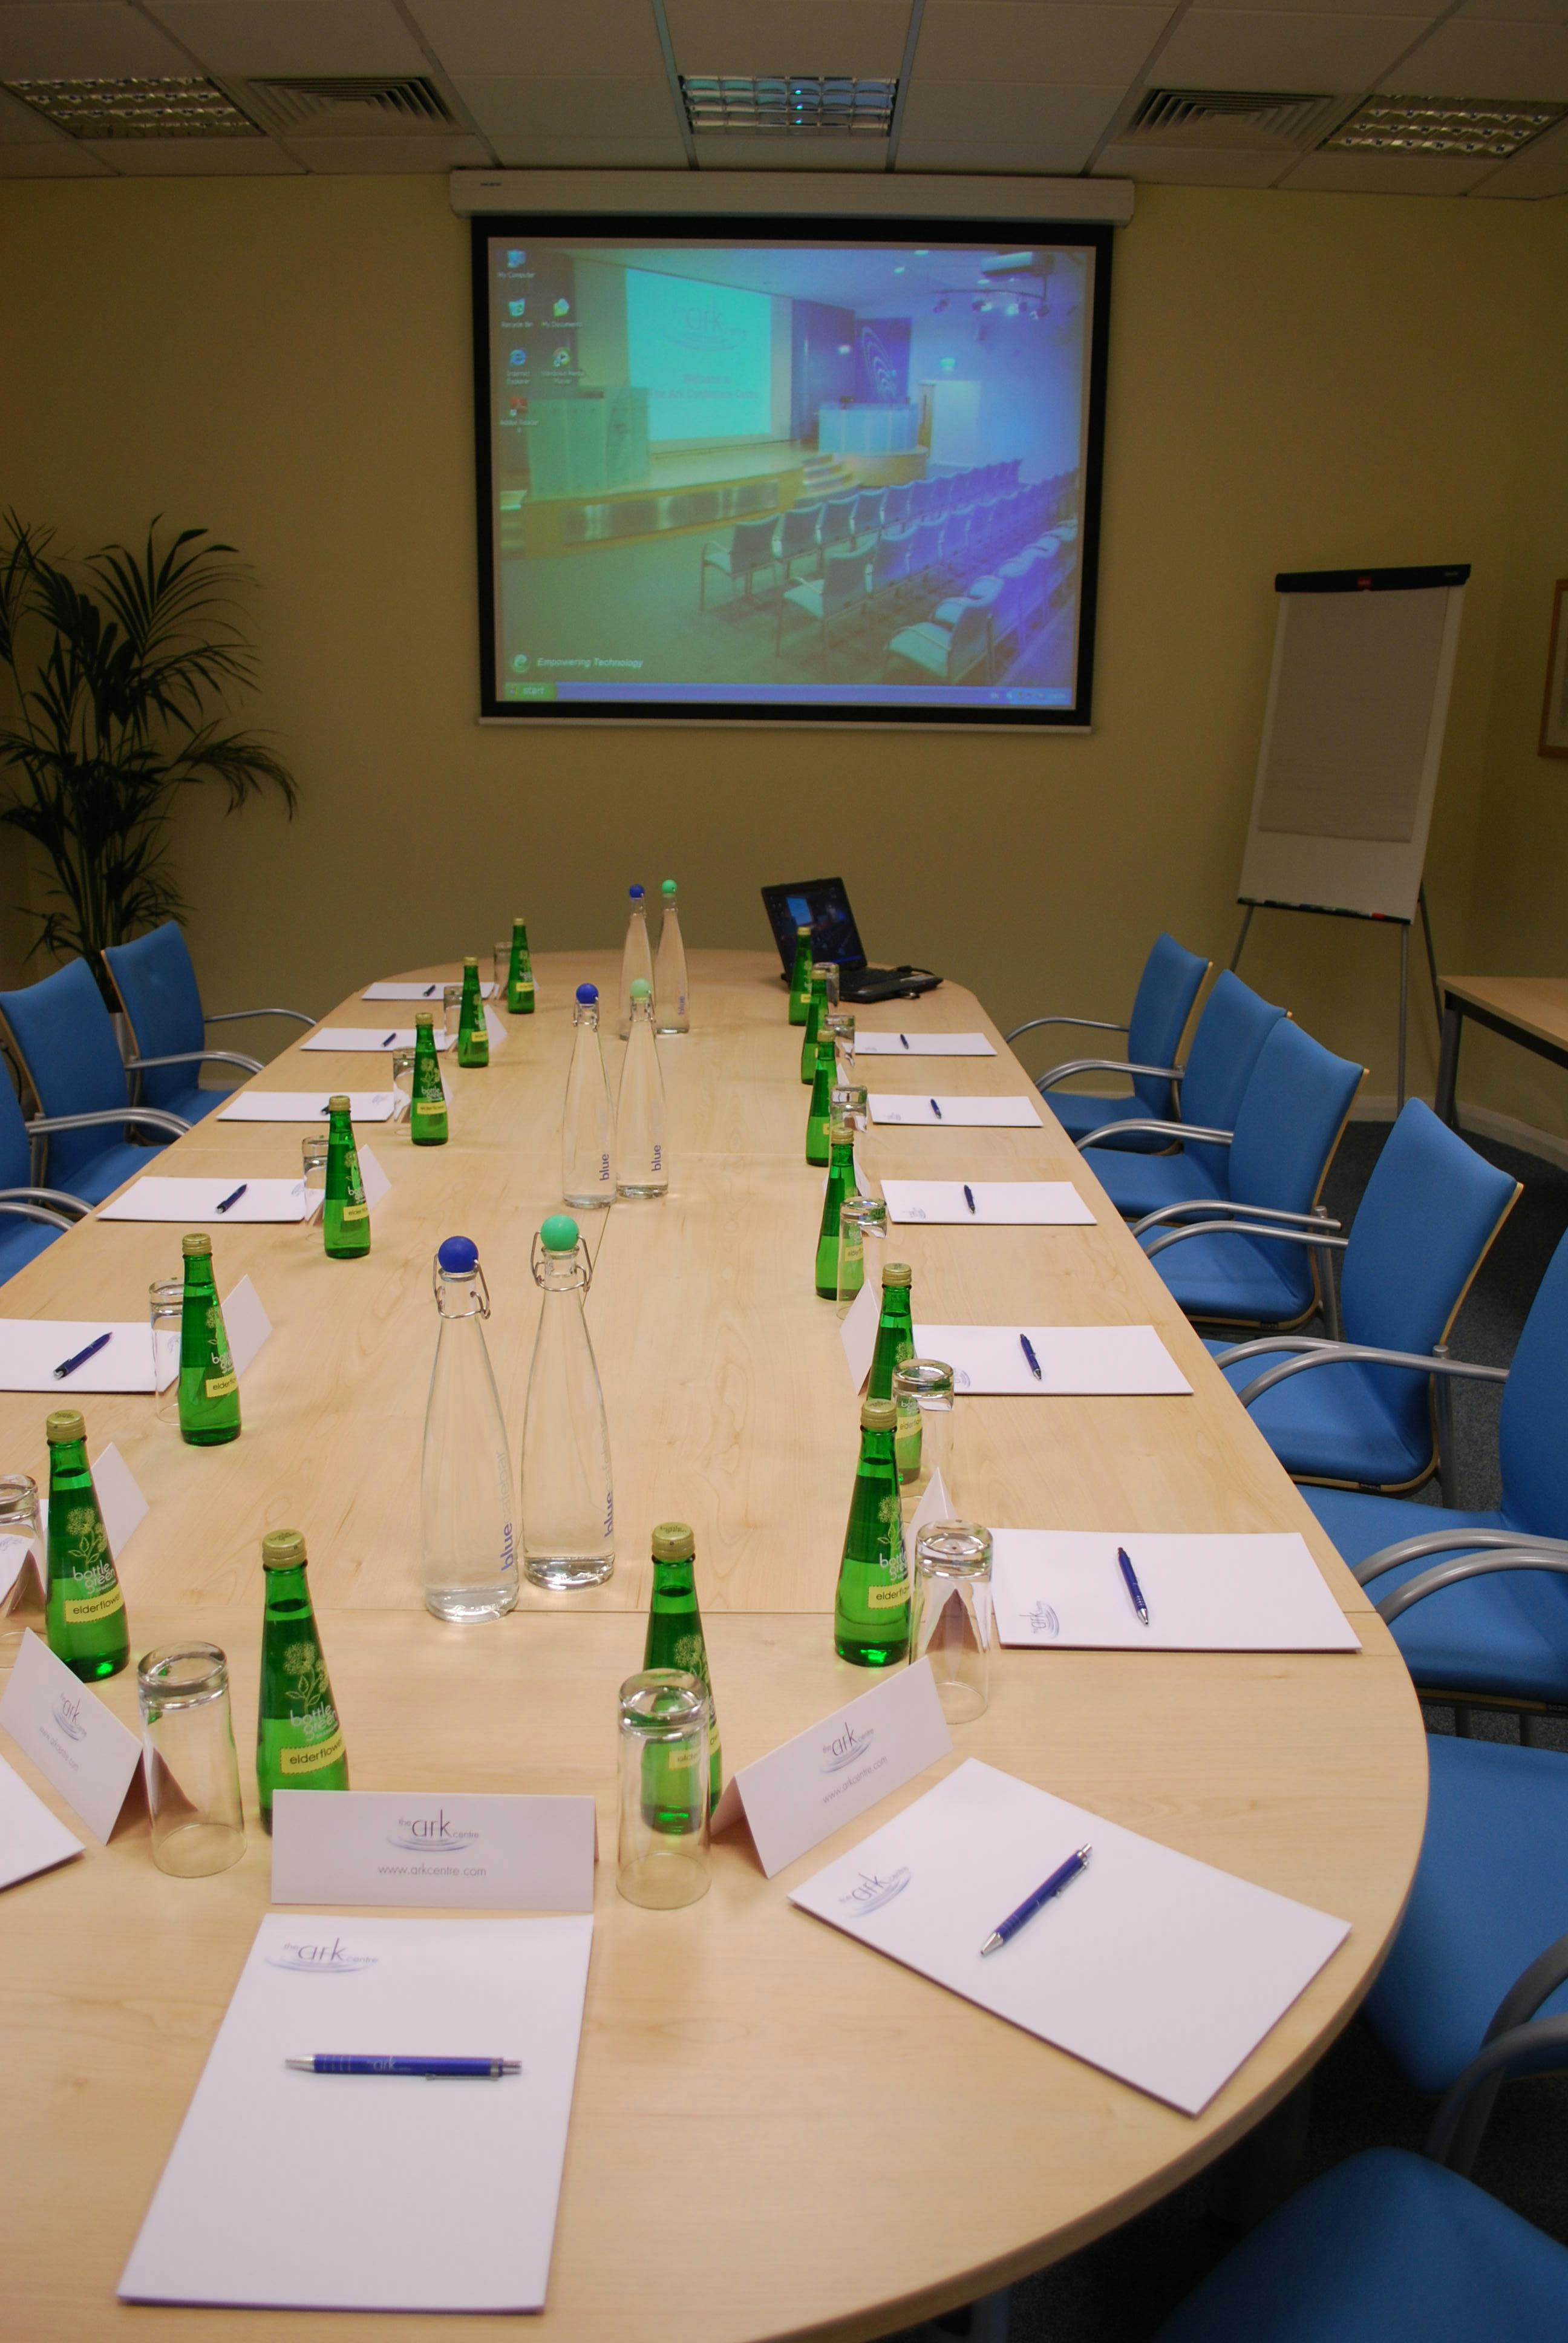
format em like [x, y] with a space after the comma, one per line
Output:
[562, 357]
[516, 308]
[562, 309]
[515, 258]
[516, 357]
[520, 662]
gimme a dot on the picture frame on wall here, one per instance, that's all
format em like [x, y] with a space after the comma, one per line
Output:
[1554, 706]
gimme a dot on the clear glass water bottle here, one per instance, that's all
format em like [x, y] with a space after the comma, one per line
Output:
[470, 1561]
[671, 1005]
[635, 959]
[568, 1499]
[587, 1132]
[641, 1158]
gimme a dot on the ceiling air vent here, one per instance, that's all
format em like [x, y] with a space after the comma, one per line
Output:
[1494, 127]
[183, 105]
[793, 105]
[1270, 119]
[351, 106]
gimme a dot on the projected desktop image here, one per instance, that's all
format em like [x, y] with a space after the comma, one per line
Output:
[805, 476]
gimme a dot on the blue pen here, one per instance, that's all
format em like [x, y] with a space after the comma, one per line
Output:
[431, 2069]
[69, 1366]
[1062, 1876]
[969, 1196]
[1129, 1577]
[390, 1039]
[935, 1111]
[233, 1197]
[903, 1040]
[1033, 1362]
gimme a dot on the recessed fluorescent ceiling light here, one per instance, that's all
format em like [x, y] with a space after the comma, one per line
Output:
[160, 106]
[789, 103]
[1496, 128]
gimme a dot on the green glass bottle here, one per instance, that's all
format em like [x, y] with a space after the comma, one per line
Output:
[820, 1108]
[299, 1739]
[816, 1009]
[473, 1033]
[801, 977]
[872, 1607]
[427, 1124]
[675, 1640]
[520, 971]
[895, 1330]
[344, 1214]
[209, 1387]
[83, 1609]
[841, 1184]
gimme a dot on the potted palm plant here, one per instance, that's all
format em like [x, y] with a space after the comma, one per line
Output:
[121, 665]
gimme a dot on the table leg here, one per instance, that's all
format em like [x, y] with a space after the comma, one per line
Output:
[1448, 1064]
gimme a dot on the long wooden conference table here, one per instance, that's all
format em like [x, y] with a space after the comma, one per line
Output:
[774, 2132]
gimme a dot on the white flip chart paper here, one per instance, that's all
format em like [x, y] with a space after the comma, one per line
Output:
[960, 1113]
[1074, 1360]
[1216, 1592]
[999, 1203]
[922, 1045]
[1162, 1971]
[307, 1106]
[292, 2191]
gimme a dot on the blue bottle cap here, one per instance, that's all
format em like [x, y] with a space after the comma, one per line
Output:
[636, 892]
[459, 1256]
[559, 1233]
[588, 993]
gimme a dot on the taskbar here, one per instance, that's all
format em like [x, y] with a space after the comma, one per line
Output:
[802, 696]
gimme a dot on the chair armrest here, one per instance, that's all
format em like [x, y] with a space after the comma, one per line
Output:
[1520, 1554]
[1460, 2122]
[1104, 1066]
[1230, 1204]
[35, 1212]
[154, 1117]
[58, 1197]
[1412, 1549]
[1546, 1972]
[1244, 1228]
[1094, 1025]
[1157, 1129]
[1261, 1343]
[195, 1058]
[229, 1016]
[1328, 1354]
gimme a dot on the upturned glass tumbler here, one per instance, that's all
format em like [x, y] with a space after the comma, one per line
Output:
[662, 1861]
[923, 1396]
[193, 1774]
[165, 1306]
[862, 1239]
[313, 1165]
[953, 1618]
[21, 1585]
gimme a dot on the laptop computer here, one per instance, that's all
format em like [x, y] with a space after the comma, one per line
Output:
[823, 905]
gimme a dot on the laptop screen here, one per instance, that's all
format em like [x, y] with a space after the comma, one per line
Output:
[821, 905]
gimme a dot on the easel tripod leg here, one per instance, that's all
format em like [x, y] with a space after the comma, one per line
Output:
[1404, 1010]
[1446, 1101]
[1241, 940]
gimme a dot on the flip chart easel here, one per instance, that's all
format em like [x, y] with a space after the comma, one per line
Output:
[1353, 739]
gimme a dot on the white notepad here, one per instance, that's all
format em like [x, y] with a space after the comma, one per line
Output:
[1155, 1968]
[1083, 1361]
[922, 1045]
[198, 1199]
[369, 1037]
[32, 1348]
[307, 1106]
[292, 2192]
[1004, 1203]
[1218, 1593]
[388, 991]
[963, 1113]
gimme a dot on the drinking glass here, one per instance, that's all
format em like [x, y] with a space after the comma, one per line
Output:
[952, 1621]
[923, 1397]
[20, 1563]
[451, 1010]
[862, 1222]
[840, 1023]
[828, 969]
[403, 1082]
[848, 1101]
[662, 1861]
[503, 971]
[166, 1305]
[313, 1159]
[193, 1774]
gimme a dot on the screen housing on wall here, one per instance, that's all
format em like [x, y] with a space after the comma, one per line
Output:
[666, 512]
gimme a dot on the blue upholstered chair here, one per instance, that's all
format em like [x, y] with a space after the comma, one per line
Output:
[158, 992]
[1492, 1589]
[31, 1218]
[1170, 985]
[1232, 1030]
[1431, 1212]
[1250, 1258]
[66, 1043]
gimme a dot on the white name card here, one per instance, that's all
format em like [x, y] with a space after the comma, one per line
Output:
[30, 1838]
[75, 1743]
[857, 1331]
[372, 1177]
[798, 1793]
[462, 1850]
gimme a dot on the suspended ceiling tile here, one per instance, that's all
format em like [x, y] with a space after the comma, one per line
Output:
[541, 36]
[864, 37]
[1190, 167]
[756, 151]
[1001, 40]
[293, 36]
[66, 159]
[1534, 12]
[592, 154]
[1339, 173]
[388, 155]
[985, 114]
[512, 105]
[1541, 169]
[1282, 48]
[1429, 11]
[192, 158]
[1014, 158]
[86, 36]
[1486, 60]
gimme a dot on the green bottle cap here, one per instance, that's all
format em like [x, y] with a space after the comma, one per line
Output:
[423, 1017]
[897, 1273]
[339, 1102]
[65, 1424]
[471, 961]
[194, 1247]
[878, 1415]
[559, 1233]
[673, 1542]
[283, 1550]
[668, 888]
[641, 988]
[519, 920]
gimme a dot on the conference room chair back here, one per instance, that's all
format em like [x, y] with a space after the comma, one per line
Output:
[750, 549]
[31, 1218]
[838, 521]
[889, 564]
[867, 518]
[896, 505]
[1235, 1023]
[796, 538]
[65, 1041]
[157, 989]
[1170, 985]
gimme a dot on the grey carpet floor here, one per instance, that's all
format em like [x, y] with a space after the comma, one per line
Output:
[1121, 2288]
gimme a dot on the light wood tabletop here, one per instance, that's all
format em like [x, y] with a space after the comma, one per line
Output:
[1531, 1011]
[851, 2146]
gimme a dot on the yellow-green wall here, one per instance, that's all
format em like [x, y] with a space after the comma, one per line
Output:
[1296, 381]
